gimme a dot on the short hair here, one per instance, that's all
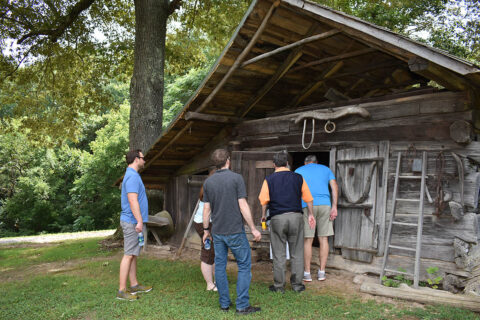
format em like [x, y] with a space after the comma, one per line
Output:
[280, 159]
[219, 158]
[311, 158]
[131, 155]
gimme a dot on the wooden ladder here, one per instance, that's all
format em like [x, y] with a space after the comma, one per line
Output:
[419, 224]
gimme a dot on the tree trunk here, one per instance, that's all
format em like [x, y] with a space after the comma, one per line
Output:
[146, 87]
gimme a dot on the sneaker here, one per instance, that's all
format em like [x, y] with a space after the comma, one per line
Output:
[321, 275]
[248, 310]
[122, 295]
[139, 289]
[307, 277]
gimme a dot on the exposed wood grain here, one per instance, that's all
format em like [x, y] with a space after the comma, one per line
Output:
[334, 58]
[211, 117]
[291, 46]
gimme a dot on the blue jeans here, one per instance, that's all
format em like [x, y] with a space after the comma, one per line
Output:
[240, 248]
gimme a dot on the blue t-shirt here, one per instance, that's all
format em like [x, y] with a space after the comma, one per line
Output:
[317, 176]
[132, 183]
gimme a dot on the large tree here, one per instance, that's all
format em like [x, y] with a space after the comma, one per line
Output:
[58, 57]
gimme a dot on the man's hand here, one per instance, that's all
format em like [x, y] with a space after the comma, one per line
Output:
[139, 227]
[256, 234]
[311, 222]
[333, 213]
[206, 234]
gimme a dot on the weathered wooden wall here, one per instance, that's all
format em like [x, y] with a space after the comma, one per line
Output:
[409, 125]
[181, 197]
[415, 118]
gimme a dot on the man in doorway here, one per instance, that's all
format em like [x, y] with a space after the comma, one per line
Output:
[134, 215]
[318, 178]
[224, 196]
[283, 192]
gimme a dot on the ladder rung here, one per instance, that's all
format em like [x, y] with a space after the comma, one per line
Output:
[408, 215]
[408, 200]
[411, 177]
[405, 224]
[402, 248]
[399, 272]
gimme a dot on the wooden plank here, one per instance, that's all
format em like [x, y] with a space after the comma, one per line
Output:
[335, 58]
[311, 87]
[381, 202]
[284, 67]
[211, 117]
[265, 164]
[383, 38]
[423, 295]
[291, 46]
[355, 228]
[241, 57]
[338, 262]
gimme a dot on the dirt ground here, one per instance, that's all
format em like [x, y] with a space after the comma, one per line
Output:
[338, 282]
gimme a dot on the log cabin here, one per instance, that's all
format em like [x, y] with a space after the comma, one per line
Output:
[302, 77]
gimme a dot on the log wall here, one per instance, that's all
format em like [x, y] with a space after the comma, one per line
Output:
[410, 125]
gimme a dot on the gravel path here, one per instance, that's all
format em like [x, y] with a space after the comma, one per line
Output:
[46, 238]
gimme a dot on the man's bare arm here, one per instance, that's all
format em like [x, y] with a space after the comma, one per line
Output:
[333, 211]
[135, 207]
[206, 220]
[247, 215]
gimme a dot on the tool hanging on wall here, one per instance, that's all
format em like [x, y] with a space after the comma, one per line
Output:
[328, 115]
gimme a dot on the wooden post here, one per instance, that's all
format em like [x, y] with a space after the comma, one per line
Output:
[418, 254]
[187, 230]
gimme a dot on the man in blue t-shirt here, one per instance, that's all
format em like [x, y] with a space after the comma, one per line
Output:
[318, 178]
[134, 214]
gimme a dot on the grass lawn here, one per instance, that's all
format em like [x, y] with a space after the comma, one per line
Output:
[88, 291]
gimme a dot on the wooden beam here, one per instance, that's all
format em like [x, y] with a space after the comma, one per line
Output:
[383, 38]
[240, 58]
[444, 77]
[291, 46]
[314, 85]
[159, 153]
[334, 58]
[371, 67]
[284, 67]
[211, 117]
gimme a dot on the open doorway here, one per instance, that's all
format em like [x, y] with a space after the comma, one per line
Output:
[298, 158]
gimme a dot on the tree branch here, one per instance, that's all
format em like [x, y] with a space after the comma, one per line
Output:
[63, 23]
[174, 5]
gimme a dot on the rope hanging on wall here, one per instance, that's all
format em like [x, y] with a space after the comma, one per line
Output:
[303, 134]
[366, 189]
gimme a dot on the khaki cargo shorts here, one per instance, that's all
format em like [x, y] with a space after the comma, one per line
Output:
[324, 224]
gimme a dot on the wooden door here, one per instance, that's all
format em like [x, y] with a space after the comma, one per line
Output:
[362, 183]
[254, 166]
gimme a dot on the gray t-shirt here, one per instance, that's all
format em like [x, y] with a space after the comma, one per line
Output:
[222, 190]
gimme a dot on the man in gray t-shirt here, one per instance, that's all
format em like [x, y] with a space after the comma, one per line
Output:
[225, 195]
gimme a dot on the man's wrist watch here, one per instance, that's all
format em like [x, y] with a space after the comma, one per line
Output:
[206, 229]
